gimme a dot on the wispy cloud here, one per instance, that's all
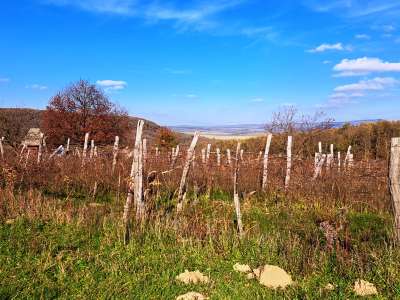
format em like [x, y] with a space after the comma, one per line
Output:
[4, 80]
[110, 85]
[177, 71]
[36, 86]
[362, 36]
[326, 62]
[119, 7]
[354, 8]
[257, 100]
[191, 96]
[364, 66]
[376, 84]
[325, 47]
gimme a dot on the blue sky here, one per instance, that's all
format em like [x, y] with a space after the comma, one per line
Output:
[207, 62]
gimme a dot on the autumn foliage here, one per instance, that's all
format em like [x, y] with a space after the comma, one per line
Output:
[81, 108]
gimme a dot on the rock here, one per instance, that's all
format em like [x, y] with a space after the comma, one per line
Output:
[192, 277]
[329, 287]
[364, 288]
[191, 296]
[242, 268]
[274, 277]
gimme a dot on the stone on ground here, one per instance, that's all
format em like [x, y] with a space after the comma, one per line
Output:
[242, 268]
[329, 287]
[274, 277]
[192, 277]
[364, 288]
[191, 296]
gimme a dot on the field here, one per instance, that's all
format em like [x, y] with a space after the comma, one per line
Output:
[62, 234]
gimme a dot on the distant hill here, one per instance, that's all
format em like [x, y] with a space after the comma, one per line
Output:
[246, 129]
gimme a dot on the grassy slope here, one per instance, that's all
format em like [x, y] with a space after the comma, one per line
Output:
[78, 252]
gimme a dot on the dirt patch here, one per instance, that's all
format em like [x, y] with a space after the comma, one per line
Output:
[364, 288]
[192, 277]
[191, 296]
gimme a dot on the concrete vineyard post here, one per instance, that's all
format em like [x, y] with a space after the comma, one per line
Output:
[115, 153]
[394, 183]
[1, 147]
[85, 146]
[236, 193]
[289, 161]
[329, 157]
[265, 164]
[241, 154]
[228, 156]
[134, 184]
[208, 152]
[91, 149]
[40, 150]
[67, 148]
[185, 172]
[318, 167]
[59, 148]
[338, 161]
[319, 147]
[203, 156]
[218, 157]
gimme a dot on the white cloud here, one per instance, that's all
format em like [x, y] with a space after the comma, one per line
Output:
[326, 47]
[36, 87]
[376, 84]
[362, 36]
[363, 66]
[388, 28]
[109, 85]
[4, 80]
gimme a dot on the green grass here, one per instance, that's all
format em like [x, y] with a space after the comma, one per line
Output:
[46, 258]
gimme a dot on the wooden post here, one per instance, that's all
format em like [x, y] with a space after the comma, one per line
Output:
[338, 161]
[134, 184]
[67, 149]
[241, 154]
[208, 152]
[144, 150]
[115, 153]
[175, 153]
[218, 157]
[85, 146]
[265, 166]
[1, 147]
[319, 147]
[203, 156]
[289, 161]
[236, 193]
[185, 172]
[228, 156]
[39, 157]
[95, 151]
[394, 182]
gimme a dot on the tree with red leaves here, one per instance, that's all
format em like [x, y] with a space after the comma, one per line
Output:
[81, 108]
